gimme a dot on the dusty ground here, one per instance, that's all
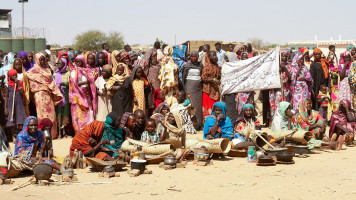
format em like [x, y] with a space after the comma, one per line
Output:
[324, 175]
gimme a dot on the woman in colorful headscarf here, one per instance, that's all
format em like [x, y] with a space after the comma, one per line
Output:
[159, 115]
[310, 120]
[80, 95]
[218, 124]
[342, 123]
[46, 93]
[151, 66]
[211, 82]
[93, 73]
[168, 76]
[343, 69]
[306, 56]
[61, 76]
[238, 50]
[117, 59]
[301, 81]
[246, 118]
[65, 55]
[352, 82]
[26, 64]
[179, 55]
[174, 130]
[319, 72]
[104, 97]
[193, 85]
[90, 139]
[8, 61]
[283, 119]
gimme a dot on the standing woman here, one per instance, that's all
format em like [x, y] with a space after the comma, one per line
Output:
[319, 71]
[8, 61]
[343, 69]
[192, 81]
[211, 82]
[101, 60]
[92, 72]
[116, 61]
[26, 63]
[168, 76]
[61, 76]
[301, 81]
[45, 90]
[80, 95]
[179, 55]
[22, 76]
[151, 66]
[139, 84]
[352, 81]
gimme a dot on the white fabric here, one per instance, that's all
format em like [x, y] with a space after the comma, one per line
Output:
[257, 73]
[194, 75]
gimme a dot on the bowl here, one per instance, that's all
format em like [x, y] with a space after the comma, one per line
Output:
[170, 160]
[265, 159]
[202, 156]
[273, 152]
[300, 149]
[138, 164]
[285, 156]
[42, 171]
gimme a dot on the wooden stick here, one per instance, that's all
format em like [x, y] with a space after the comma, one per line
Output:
[269, 144]
[21, 185]
[13, 104]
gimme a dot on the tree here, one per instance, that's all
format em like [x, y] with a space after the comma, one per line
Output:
[257, 43]
[93, 39]
[160, 41]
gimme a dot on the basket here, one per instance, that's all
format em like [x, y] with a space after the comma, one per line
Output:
[175, 143]
[221, 145]
[158, 149]
[300, 136]
[190, 143]
[99, 165]
[13, 173]
[131, 145]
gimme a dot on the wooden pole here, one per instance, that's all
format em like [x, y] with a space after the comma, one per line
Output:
[13, 104]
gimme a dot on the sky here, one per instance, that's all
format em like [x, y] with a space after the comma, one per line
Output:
[142, 21]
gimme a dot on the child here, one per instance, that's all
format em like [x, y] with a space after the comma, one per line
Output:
[323, 100]
[104, 98]
[139, 84]
[184, 108]
[22, 76]
[17, 115]
[150, 134]
[119, 86]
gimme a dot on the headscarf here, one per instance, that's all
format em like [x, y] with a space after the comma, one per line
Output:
[11, 83]
[28, 65]
[25, 141]
[10, 57]
[160, 107]
[179, 57]
[112, 133]
[211, 71]
[339, 117]
[322, 61]
[157, 101]
[44, 122]
[125, 118]
[190, 65]
[175, 132]
[350, 47]
[304, 50]
[303, 113]
[97, 59]
[242, 114]
[285, 51]
[280, 119]
[295, 59]
[58, 79]
[82, 58]
[116, 62]
[248, 105]
[70, 55]
[342, 61]
[133, 73]
[225, 126]
[237, 47]
[114, 78]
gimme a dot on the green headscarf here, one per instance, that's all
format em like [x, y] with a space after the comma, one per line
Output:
[112, 133]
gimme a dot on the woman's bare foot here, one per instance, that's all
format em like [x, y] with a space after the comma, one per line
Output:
[333, 146]
[333, 137]
[340, 142]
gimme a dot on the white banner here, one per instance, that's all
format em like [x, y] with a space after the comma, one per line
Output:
[257, 73]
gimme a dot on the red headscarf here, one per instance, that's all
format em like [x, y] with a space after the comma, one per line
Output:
[45, 122]
[11, 83]
[157, 101]
[322, 61]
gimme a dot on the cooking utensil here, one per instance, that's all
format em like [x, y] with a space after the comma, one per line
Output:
[46, 134]
[202, 156]
[284, 156]
[42, 171]
[170, 160]
[138, 164]
[300, 149]
[273, 152]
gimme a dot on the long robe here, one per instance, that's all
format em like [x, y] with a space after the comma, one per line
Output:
[317, 74]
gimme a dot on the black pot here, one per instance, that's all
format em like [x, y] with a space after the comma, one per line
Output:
[42, 171]
[285, 156]
[301, 149]
[138, 164]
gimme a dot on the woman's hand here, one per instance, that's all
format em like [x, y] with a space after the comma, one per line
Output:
[220, 116]
[209, 137]
[135, 101]
[104, 142]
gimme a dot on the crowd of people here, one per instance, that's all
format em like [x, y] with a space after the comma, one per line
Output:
[103, 98]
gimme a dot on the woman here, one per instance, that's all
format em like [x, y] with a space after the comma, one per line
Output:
[104, 96]
[92, 72]
[247, 118]
[8, 61]
[310, 120]
[101, 60]
[352, 81]
[22, 76]
[174, 130]
[343, 69]
[218, 125]
[211, 82]
[342, 123]
[168, 76]
[61, 76]
[283, 119]
[151, 66]
[238, 50]
[159, 115]
[306, 57]
[80, 95]
[89, 140]
[319, 72]
[140, 88]
[301, 81]
[26, 64]
[192, 81]
[128, 124]
[179, 55]
[116, 61]
[46, 93]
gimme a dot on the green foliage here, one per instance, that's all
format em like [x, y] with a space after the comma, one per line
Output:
[93, 39]
[55, 45]
[161, 41]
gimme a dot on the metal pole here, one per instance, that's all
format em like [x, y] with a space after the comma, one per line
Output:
[23, 19]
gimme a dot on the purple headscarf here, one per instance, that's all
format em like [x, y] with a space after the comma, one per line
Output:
[58, 79]
[28, 65]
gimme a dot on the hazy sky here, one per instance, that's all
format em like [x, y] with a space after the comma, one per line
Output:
[141, 21]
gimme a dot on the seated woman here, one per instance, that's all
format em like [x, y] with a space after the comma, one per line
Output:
[174, 131]
[248, 118]
[342, 123]
[283, 119]
[128, 124]
[184, 107]
[159, 115]
[310, 120]
[218, 125]
[89, 139]
[30, 140]
[114, 134]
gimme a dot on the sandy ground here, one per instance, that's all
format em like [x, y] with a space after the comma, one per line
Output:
[324, 175]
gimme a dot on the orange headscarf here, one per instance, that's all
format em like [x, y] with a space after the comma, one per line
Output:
[322, 61]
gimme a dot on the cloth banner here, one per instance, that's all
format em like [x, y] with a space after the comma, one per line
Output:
[257, 73]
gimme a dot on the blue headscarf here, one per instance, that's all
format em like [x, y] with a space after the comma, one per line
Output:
[179, 57]
[25, 141]
[112, 133]
[248, 105]
[225, 126]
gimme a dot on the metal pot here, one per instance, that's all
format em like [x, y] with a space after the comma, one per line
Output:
[273, 152]
[42, 171]
[300, 149]
[138, 164]
[265, 159]
[69, 172]
[285, 156]
[170, 160]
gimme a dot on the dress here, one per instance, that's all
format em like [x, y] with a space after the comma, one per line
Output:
[104, 102]
[151, 67]
[300, 89]
[121, 101]
[138, 88]
[352, 81]
[19, 110]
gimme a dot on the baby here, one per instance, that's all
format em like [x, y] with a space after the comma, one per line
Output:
[323, 100]
[150, 134]
[117, 79]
